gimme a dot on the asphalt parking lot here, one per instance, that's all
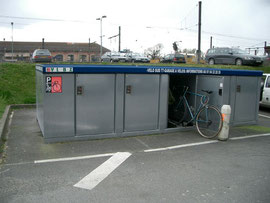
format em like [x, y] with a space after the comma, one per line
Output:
[175, 167]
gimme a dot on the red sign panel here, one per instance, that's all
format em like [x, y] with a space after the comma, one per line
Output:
[54, 84]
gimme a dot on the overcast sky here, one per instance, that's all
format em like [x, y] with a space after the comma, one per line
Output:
[144, 23]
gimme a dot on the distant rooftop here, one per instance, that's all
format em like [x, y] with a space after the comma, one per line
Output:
[52, 46]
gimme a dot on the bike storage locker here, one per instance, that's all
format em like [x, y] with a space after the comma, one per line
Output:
[79, 102]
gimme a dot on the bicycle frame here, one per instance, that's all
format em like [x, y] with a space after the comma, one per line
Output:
[208, 119]
[184, 99]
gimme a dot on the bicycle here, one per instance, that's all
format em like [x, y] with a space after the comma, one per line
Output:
[208, 118]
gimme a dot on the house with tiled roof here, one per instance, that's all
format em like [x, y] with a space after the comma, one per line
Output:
[61, 51]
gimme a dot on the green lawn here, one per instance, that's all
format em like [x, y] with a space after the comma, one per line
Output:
[17, 80]
[17, 84]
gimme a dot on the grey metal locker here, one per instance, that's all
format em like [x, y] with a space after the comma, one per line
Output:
[141, 108]
[95, 104]
[212, 83]
[246, 103]
[59, 109]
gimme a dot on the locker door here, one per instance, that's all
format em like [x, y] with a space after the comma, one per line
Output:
[245, 100]
[212, 83]
[95, 103]
[141, 102]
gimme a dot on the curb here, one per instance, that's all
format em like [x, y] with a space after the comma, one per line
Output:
[5, 118]
[4, 123]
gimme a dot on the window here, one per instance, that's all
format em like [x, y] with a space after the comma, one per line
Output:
[218, 51]
[167, 57]
[70, 57]
[82, 58]
[58, 57]
[226, 51]
[267, 84]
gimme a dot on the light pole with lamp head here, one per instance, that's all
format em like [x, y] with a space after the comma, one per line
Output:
[101, 34]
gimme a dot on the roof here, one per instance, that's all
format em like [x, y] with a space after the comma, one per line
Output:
[5, 46]
[55, 68]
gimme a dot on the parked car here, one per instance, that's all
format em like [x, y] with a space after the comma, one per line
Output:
[266, 60]
[265, 91]
[173, 58]
[136, 57]
[110, 57]
[124, 57]
[114, 57]
[235, 56]
[42, 55]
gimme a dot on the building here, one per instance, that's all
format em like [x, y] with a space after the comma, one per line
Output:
[61, 51]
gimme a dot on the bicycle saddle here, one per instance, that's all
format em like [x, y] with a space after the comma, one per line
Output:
[207, 91]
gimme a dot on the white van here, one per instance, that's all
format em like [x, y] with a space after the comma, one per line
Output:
[265, 91]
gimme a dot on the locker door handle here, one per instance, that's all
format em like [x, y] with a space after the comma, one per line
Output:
[238, 88]
[128, 89]
[79, 90]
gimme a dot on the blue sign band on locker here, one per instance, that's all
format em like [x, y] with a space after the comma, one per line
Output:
[51, 68]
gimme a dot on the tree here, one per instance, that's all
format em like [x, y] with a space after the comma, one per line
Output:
[154, 52]
[189, 51]
[175, 47]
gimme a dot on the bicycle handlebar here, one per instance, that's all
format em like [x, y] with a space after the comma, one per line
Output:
[207, 91]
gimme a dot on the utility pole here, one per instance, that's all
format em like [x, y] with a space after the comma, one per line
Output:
[119, 49]
[12, 40]
[199, 33]
[265, 44]
[4, 49]
[211, 38]
[89, 50]
[43, 43]
[119, 37]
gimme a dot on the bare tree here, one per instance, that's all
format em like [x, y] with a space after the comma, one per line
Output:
[154, 52]
[189, 51]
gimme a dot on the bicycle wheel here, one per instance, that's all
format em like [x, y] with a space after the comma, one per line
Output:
[180, 111]
[209, 122]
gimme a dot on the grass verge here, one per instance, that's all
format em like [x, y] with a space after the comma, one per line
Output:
[17, 84]
[257, 128]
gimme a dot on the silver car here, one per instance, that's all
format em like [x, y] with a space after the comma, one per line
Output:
[114, 57]
[110, 57]
[136, 57]
[41, 55]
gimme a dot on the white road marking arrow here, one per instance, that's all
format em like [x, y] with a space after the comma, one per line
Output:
[100, 173]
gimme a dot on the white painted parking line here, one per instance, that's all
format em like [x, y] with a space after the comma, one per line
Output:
[264, 116]
[100, 173]
[203, 143]
[249, 136]
[181, 146]
[73, 158]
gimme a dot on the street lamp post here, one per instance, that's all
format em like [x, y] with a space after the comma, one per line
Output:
[101, 34]
[12, 40]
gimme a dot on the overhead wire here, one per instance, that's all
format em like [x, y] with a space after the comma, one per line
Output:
[186, 16]
[182, 28]
[42, 19]
[159, 27]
